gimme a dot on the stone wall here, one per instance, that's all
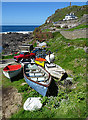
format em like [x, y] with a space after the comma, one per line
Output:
[81, 33]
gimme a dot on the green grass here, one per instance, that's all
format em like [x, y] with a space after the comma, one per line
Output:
[78, 27]
[71, 100]
[73, 59]
[9, 56]
[46, 30]
[60, 13]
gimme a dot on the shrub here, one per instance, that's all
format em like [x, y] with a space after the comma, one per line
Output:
[23, 88]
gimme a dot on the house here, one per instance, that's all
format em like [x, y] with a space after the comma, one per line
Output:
[70, 16]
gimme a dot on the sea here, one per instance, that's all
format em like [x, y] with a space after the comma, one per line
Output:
[16, 28]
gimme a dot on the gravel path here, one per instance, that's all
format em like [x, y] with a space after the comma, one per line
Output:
[5, 62]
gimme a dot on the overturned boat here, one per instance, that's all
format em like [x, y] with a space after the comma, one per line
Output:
[37, 78]
[11, 71]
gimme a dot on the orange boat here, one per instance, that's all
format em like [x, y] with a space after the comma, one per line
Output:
[40, 59]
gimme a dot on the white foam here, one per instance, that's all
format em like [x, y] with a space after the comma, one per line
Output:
[24, 32]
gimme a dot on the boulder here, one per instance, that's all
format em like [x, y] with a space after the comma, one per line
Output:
[32, 103]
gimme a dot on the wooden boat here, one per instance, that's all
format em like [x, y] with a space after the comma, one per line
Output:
[11, 71]
[55, 70]
[40, 61]
[37, 77]
[25, 61]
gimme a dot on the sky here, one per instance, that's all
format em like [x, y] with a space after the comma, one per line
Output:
[30, 13]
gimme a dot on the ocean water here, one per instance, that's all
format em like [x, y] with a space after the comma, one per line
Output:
[18, 28]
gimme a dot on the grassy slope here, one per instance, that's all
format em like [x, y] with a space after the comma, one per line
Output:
[72, 101]
[81, 26]
[72, 59]
[60, 13]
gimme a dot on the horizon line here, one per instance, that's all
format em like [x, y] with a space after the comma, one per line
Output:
[21, 25]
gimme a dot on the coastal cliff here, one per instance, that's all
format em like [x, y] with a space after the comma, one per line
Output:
[70, 53]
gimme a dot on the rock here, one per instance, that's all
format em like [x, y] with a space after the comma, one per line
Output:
[74, 34]
[12, 41]
[32, 104]
[23, 84]
[67, 82]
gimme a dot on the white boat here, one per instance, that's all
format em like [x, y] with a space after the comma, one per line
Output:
[11, 71]
[37, 77]
[50, 58]
[55, 70]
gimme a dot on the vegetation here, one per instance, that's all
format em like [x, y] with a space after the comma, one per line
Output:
[70, 101]
[46, 30]
[9, 56]
[78, 27]
[59, 14]
[41, 35]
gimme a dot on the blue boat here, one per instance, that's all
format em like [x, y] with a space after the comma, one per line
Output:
[37, 78]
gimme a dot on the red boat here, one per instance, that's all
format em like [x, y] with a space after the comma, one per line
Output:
[11, 71]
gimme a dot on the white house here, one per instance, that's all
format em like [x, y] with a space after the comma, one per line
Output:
[70, 16]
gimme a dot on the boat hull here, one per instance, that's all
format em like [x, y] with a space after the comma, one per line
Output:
[11, 74]
[58, 74]
[41, 63]
[39, 88]
[37, 78]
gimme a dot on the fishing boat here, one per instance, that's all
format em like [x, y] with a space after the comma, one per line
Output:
[11, 71]
[25, 61]
[40, 61]
[55, 70]
[50, 58]
[37, 78]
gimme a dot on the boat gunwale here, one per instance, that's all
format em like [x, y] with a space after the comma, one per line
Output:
[38, 82]
[11, 70]
[57, 66]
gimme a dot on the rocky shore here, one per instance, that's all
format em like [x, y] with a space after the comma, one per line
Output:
[12, 41]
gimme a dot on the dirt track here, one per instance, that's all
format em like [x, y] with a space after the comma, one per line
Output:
[11, 101]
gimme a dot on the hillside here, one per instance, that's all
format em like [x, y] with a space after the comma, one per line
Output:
[71, 54]
[59, 14]
[70, 102]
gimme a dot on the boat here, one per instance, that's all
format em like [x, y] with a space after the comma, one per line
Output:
[55, 70]
[40, 52]
[37, 77]
[40, 61]
[11, 71]
[25, 61]
[50, 58]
